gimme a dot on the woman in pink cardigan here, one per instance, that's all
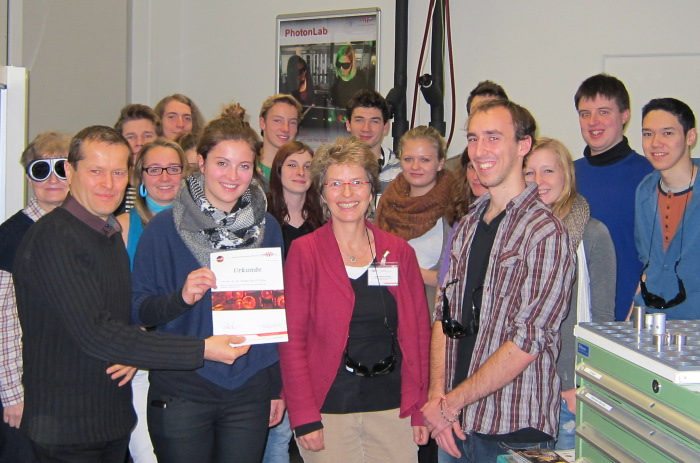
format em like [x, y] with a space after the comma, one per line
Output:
[355, 369]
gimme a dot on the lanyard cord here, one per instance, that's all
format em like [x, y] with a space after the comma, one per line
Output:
[685, 208]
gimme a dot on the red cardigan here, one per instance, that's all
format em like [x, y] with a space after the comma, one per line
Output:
[319, 301]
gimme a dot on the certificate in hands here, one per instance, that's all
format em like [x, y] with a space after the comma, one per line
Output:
[249, 296]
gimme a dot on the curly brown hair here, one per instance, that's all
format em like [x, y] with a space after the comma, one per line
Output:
[462, 195]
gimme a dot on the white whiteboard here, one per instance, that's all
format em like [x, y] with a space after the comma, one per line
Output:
[655, 76]
[13, 138]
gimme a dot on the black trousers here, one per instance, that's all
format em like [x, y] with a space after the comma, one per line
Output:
[185, 431]
[15, 447]
[101, 452]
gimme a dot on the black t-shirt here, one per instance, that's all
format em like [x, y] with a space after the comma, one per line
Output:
[477, 266]
[290, 233]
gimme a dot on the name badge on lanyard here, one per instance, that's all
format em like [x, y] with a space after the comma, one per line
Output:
[383, 273]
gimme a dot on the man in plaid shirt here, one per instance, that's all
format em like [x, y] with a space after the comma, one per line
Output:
[496, 337]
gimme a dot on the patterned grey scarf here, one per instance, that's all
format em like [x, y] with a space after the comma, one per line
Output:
[205, 228]
[577, 218]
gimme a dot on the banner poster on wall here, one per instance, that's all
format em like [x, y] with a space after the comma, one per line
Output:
[324, 58]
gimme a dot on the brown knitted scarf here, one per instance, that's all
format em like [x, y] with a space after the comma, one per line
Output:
[408, 217]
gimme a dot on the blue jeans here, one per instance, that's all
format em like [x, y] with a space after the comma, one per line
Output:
[478, 450]
[567, 428]
[278, 437]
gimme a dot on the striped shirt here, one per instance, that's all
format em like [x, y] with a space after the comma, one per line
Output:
[11, 390]
[390, 168]
[525, 297]
[129, 198]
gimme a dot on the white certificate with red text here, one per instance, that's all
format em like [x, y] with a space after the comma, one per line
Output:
[249, 296]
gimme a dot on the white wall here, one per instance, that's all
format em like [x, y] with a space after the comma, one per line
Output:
[76, 53]
[219, 51]
[540, 51]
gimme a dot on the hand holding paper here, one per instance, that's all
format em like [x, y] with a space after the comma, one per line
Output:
[220, 348]
[197, 284]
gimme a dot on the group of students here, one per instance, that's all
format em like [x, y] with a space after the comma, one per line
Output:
[367, 236]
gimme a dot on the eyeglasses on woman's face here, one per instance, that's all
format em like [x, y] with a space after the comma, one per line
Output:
[157, 170]
[354, 185]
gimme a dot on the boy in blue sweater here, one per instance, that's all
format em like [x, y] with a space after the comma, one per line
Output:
[608, 174]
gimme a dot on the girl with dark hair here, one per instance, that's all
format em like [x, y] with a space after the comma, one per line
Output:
[466, 189]
[292, 200]
[218, 412]
[300, 82]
